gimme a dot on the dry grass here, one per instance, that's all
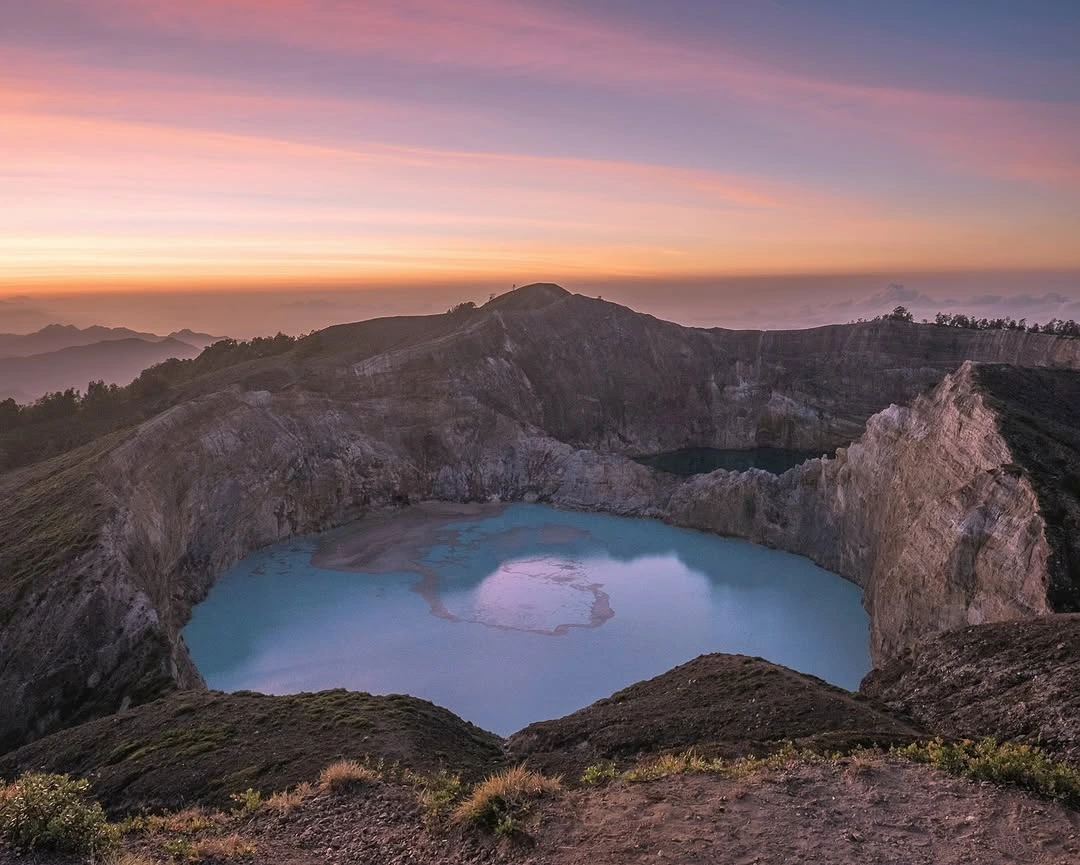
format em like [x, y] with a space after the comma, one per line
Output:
[185, 822]
[226, 848]
[347, 774]
[128, 857]
[504, 797]
[287, 801]
[691, 762]
[861, 764]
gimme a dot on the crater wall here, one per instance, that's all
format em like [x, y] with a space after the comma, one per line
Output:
[543, 396]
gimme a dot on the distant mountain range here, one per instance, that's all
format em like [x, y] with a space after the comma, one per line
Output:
[59, 336]
[61, 356]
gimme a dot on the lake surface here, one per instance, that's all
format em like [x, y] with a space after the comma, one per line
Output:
[512, 614]
[701, 461]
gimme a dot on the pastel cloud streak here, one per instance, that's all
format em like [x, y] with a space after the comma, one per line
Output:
[290, 140]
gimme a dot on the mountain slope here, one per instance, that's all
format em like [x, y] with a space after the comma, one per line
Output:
[1015, 681]
[838, 795]
[116, 361]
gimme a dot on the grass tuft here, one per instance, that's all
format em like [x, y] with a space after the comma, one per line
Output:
[247, 802]
[438, 793]
[189, 821]
[499, 802]
[287, 801]
[226, 848]
[347, 775]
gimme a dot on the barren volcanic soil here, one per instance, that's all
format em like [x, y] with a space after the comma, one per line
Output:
[853, 811]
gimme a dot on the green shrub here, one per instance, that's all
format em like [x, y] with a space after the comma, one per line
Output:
[52, 812]
[439, 793]
[247, 802]
[1006, 763]
[597, 773]
[507, 826]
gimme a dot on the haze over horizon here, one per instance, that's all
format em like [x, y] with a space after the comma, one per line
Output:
[759, 303]
[248, 166]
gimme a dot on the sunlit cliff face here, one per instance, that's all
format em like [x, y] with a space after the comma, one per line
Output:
[241, 143]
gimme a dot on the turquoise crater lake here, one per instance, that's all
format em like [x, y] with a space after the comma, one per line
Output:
[512, 614]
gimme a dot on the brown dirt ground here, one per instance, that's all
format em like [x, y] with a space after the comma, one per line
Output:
[1015, 681]
[856, 810]
[726, 704]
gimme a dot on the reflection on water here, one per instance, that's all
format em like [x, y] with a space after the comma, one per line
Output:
[522, 613]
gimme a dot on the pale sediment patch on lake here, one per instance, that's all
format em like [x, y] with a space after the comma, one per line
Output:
[401, 541]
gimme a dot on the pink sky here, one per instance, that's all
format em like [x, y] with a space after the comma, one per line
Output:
[151, 147]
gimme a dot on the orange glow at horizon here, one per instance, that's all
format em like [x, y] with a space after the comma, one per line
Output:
[149, 171]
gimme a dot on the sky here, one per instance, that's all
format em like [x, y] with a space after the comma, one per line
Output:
[245, 166]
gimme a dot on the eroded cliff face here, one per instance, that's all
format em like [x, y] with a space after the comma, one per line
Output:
[928, 511]
[544, 396]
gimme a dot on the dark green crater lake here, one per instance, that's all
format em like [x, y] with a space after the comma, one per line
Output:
[701, 461]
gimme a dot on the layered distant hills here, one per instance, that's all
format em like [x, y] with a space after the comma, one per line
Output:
[58, 336]
[58, 357]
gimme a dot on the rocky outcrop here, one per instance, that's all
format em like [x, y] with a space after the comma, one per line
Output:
[727, 704]
[204, 746]
[541, 395]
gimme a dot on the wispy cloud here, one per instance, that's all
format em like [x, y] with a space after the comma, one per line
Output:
[1016, 139]
[145, 137]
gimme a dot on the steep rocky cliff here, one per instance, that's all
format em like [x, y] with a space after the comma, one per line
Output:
[539, 395]
[936, 511]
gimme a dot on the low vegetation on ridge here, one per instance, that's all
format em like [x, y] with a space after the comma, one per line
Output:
[1001, 763]
[55, 812]
[1054, 327]
[61, 421]
[500, 802]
